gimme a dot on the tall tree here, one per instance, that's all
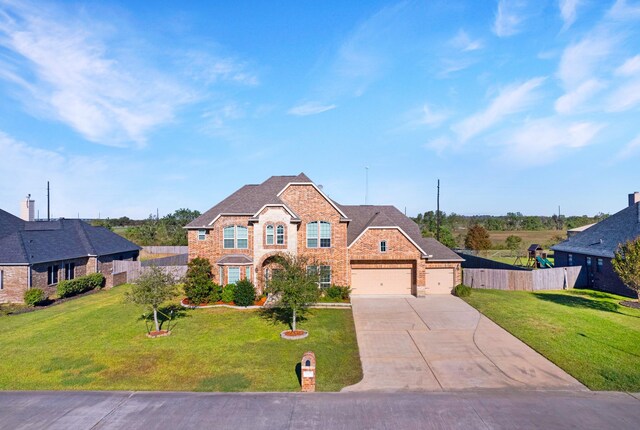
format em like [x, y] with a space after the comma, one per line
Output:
[477, 238]
[626, 264]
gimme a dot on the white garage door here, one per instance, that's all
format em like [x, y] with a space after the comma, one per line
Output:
[381, 281]
[439, 281]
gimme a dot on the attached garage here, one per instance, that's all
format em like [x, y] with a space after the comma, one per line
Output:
[439, 281]
[381, 281]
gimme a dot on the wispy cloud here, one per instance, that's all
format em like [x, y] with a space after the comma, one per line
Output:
[568, 11]
[510, 100]
[213, 69]
[431, 117]
[462, 42]
[630, 149]
[509, 17]
[623, 11]
[310, 108]
[581, 60]
[67, 71]
[625, 97]
[542, 141]
[630, 67]
[574, 100]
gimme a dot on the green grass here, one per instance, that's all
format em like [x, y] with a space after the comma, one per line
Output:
[586, 333]
[98, 343]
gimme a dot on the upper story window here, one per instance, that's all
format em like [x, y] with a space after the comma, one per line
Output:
[202, 234]
[319, 233]
[383, 246]
[236, 236]
[52, 274]
[280, 235]
[270, 236]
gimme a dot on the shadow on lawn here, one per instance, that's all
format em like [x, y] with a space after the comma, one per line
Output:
[280, 315]
[170, 312]
[585, 303]
[593, 339]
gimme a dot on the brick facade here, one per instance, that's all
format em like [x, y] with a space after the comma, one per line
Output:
[15, 280]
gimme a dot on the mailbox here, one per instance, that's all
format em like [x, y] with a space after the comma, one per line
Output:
[308, 372]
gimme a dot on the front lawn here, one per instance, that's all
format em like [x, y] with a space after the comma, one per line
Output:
[586, 333]
[98, 343]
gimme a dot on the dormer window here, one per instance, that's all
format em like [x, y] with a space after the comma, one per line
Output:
[319, 233]
[235, 236]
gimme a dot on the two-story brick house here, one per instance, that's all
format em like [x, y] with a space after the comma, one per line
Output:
[374, 249]
[39, 254]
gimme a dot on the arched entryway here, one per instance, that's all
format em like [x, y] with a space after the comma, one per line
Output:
[266, 269]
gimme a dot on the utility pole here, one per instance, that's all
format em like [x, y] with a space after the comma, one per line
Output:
[48, 202]
[438, 214]
[366, 185]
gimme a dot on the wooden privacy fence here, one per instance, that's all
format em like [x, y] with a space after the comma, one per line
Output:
[166, 249]
[134, 269]
[558, 278]
[172, 260]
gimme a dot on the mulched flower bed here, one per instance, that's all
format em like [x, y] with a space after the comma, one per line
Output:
[159, 333]
[186, 302]
[294, 334]
[630, 304]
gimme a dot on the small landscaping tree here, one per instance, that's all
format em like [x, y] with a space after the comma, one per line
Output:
[295, 284]
[153, 288]
[477, 238]
[626, 264]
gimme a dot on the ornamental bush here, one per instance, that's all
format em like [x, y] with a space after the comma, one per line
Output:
[244, 293]
[461, 290]
[80, 285]
[227, 293]
[198, 285]
[34, 296]
[337, 292]
[216, 293]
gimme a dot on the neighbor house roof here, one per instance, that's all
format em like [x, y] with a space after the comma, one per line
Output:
[602, 239]
[44, 241]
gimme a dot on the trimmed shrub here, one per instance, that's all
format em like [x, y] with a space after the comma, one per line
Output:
[461, 290]
[227, 293]
[34, 297]
[244, 293]
[337, 293]
[198, 286]
[216, 293]
[80, 285]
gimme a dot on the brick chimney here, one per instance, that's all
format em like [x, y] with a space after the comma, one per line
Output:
[634, 198]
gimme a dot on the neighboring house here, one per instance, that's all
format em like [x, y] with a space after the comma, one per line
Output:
[39, 254]
[594, 248]
[374, 249]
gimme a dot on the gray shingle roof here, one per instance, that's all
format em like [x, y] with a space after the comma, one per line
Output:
[24, 242]
[602, 239]
[235, 259]
[249, 199]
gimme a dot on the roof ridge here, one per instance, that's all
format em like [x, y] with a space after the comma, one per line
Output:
[92, 248]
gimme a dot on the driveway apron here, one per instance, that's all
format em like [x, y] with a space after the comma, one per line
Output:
[440, 343]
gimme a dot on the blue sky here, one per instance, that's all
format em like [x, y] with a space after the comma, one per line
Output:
[131, 106]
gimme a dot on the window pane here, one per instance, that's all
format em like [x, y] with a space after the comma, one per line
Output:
[234, 275]
[247, 273]
[201, 234]
[280, 235]
[228, 243]
[325, 276]
[242, 234]
[228, 237]
[243, 244]
[269, 235]
[383, 246]
[312, 235]
[325, 234]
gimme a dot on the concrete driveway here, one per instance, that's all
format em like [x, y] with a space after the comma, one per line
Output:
[440, 343]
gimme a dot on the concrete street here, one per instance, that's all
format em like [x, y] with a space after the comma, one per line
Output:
[491, 409]
[440, 343]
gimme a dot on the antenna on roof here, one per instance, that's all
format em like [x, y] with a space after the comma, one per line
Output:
[366, 184]
[438, 214]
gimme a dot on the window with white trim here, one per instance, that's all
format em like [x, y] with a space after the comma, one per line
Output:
[234, 275]
[280, 235]
[52, 274]
[383, 246]
[202, 234]
[324, 277]
[222, 275]
[319, 233]
[247, 273]
[235, 236]
[69, 271]
[269, 235]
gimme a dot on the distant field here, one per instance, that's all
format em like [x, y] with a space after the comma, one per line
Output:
[528, 237]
